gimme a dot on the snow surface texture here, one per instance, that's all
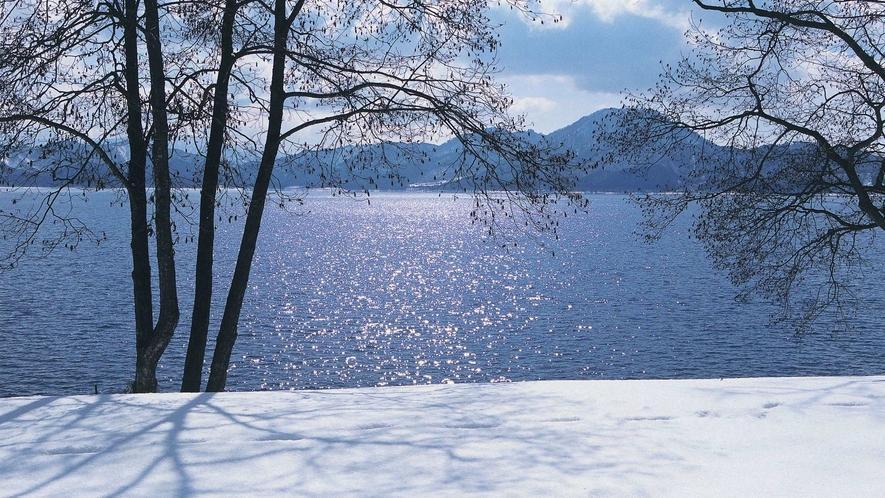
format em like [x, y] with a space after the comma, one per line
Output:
[768, 437]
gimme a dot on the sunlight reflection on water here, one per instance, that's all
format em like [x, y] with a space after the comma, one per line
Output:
[405, 291]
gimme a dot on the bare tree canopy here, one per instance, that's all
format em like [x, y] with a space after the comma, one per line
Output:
[780, 115]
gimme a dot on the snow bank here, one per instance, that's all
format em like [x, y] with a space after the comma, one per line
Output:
[743, 438]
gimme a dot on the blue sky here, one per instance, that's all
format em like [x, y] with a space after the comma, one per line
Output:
[560, 72]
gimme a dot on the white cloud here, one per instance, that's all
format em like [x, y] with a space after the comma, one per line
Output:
[532, 105]
[609, 10]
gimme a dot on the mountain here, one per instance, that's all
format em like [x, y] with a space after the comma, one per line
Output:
[616, 172]
[386, 166]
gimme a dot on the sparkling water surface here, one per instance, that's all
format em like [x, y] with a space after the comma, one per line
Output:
[405, 290]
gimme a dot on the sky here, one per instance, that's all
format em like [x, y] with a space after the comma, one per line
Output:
[560, 72]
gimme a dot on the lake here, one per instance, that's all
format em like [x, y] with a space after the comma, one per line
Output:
[406, 291]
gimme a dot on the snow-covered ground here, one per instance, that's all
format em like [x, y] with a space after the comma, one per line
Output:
[767, 437]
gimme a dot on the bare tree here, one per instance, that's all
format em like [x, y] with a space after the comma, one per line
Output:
[779, 114]
[218, 130]
[72, 87]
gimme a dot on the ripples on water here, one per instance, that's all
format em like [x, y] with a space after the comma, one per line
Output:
[404, 291]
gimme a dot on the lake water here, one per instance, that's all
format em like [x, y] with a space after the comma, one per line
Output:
[405, 291]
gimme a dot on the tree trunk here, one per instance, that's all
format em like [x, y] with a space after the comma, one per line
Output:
[227, 334]
[169, 312]
[196, 348]
[145, 377]
[150, 342]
